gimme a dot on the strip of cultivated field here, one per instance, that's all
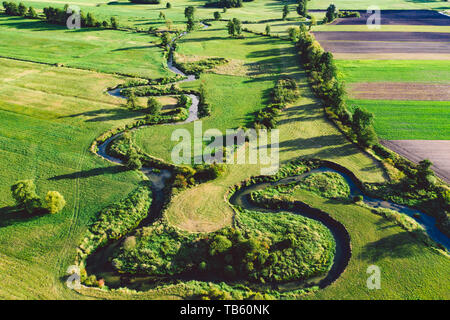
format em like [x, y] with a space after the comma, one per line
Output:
[437, 151]
[399, 91]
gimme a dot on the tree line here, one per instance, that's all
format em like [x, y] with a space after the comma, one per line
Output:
[57, 15]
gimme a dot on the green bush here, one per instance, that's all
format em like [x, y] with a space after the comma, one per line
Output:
[153, 106]
[54, 202]
[24, 193]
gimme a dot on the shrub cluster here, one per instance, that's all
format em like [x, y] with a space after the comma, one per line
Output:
[24, 193]
[198, 67]
[267, 249]
[116, 221]
[204, 108]
[285, 91]
[60, 16]
[349, 14]
[12, 9]
[224, 3]
[57, 15]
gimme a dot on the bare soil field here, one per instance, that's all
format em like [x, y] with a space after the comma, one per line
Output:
[400, 17]
[382, 36]
[399, 91]
[391, 56]
[376, 47]
[437, 151]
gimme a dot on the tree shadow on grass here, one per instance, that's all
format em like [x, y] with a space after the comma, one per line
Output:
[91, 173]
[12, 215]
[134, 48]
[105, 114]
[399, 245]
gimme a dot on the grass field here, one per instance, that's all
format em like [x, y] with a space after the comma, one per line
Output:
[101, 50]
[376, 241]
[45, 135]
[394, 71]
[396, 120]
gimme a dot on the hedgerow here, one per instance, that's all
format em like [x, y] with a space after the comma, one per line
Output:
[115, 221]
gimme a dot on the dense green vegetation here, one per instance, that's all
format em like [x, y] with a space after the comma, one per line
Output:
[115, 221]
[327, 184]
[265, 248]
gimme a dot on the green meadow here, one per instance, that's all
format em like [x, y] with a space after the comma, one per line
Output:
[110, 51]
[45, 135]
[397, 120]
[425, 71]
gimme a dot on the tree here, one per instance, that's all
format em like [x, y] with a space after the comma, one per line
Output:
[332, 13]
[182, 101]
[114, 23]
[31, 13]
[424, 173]
[285, 11]
[267, 29]
[169, 24]
[234, 27]
[134, 161]
[302, 8]
[190, 25]
[189, 12]
[22, 10]
[168, 5]
[153, 106]
[217, 15]
[132, 101]
[90, 20]
[24, 193]
[328, 68]
[220, 244]
[294, 33]
[312, 22]
[362, 124]
[165, 39]
[54, 202]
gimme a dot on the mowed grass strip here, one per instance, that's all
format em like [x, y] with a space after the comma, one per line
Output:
[47, 139]
[396, 120]
[108, 51]
[423, 71]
